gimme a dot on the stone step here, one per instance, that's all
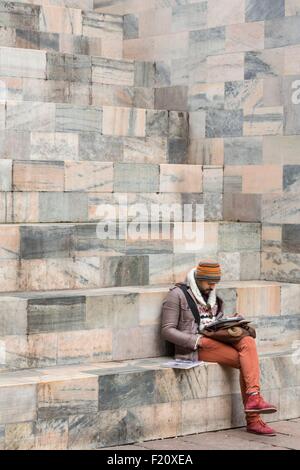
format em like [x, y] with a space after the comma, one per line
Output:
[83, 206]
[84, 407]
[41, 329]
[66, 256]
[60, 28]
[33, 75]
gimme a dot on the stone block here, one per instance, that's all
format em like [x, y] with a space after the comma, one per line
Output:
[272, 92]
[9, 275]
[23, 63]
[29, 116]
[290, 238]
[173, 98]
[244, 37]
[258, 301]
[61, 20]
[254, 179]
[242, 207]
[47, 315]
[282, 32]
[145, 150]
[63, 207]
[231, 265]
[84, 346]
[146, 342]
[157, 123]
[292, 113]
[16, 15]
[69, 67]
[206, 151]
[239, 237]
[93, 146]
[212, 180]
[129, 177]
[161, 269]
[181, 178]
[88, 176]
[280, 208]
[124, 121]
[243, 151]
[112, 311]
[5, 175]
[291, 178]
[125, 270]
[197, 122]
[25, 206]
[264, 121]
[19, 436]
[266, 10]
[264, 64]
[9, 242]
[18, 403]
[70, 118]
[53, 146]
[226, 67]
[281, 266]
[46, 242]
[224, 123]
[131, 26]
[207, 41]
[63, 398]
[51, 434]
[13, 316]
[38, 176]
[108, 95]
[292, 7]
[144, 73]
[222, 12]
[281, 150]
[6, 207]
[107, 27]
[206, 95]
[162, 74]
[189, 17]
[112, 72]
[177, 150]
[271, 237]
[213, 206]
[247, 95]
[290, 294]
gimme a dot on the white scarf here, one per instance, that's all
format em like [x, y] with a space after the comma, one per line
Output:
[190, 280]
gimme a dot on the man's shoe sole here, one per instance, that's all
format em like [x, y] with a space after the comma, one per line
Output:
[264, 410]
[261, 433]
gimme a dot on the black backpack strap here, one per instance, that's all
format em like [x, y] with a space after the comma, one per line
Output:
[191, 303]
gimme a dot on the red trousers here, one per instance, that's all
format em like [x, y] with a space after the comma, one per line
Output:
[241, 355]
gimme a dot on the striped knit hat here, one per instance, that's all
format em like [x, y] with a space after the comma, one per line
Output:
[208, 271]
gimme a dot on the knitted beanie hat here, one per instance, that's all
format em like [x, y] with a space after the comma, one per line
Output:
[208, 271]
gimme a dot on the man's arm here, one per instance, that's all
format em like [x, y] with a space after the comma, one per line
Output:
[169, 325]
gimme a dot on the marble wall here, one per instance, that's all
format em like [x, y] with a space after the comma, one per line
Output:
[234, 65]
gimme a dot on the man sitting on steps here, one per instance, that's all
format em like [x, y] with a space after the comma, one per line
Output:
[180, 328]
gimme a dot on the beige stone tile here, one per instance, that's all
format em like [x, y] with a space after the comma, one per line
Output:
[244, 37]
[257, 301]
[124, 121]
[206, 151]
[54, 19]
[9, 242]
[154, 22]
[281, 150]
[255, 181]
[139, 49]
[227, 67]
[292, 60]
[38, 176]
[84, 346]
[89, 176]
[9, 275]
[223, 12]
[180, 178]
[264, 121]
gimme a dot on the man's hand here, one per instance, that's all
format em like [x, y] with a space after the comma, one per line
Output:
[239, 315]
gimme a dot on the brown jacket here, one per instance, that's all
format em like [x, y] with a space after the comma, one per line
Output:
[178, 325]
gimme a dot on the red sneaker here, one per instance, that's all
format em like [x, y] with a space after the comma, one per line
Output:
[259, 427]
[256, 404]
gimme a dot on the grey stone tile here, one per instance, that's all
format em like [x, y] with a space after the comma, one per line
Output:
[131, 26]
[177, 150]
[130, 177]
[291, 178]
[69, 118]
[257, 10]
[125, 270]
[56, 314]
[243, 151]
[239, 237]
[162, 74]
[263, 64]
[156, 123]
[282, 32]
[207, 41]
[96, 147]
[126, 391]
[63, 207]
[291, 238]
[46, 242]
[174, 98]
[144, 73]
[224, 123]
